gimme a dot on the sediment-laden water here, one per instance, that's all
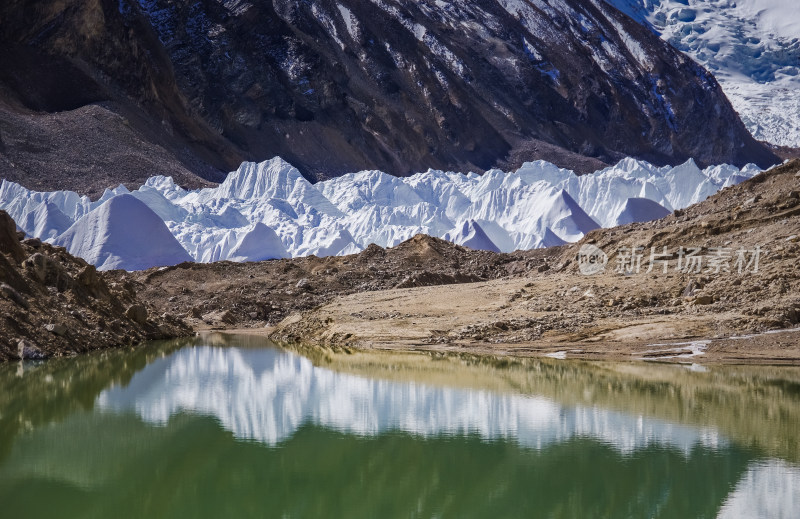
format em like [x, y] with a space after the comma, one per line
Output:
[231, 426]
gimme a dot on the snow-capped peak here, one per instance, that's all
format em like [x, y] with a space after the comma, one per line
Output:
[751, 46]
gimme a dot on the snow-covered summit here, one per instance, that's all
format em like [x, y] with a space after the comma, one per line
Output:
[751, 46]
[268, 210]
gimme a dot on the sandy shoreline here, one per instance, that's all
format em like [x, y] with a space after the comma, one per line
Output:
[775, 347]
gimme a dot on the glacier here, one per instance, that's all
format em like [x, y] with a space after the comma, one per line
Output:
[751, 46]
[268, 210]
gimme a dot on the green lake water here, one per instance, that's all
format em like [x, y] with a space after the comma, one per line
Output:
[231, 426]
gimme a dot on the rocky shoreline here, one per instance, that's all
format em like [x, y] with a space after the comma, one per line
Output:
[54, 304]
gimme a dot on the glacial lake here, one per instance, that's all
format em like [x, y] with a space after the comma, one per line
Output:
[229, 426]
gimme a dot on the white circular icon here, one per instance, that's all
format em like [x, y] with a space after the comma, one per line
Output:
[591, 259]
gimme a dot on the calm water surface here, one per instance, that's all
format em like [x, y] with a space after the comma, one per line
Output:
[229, 426]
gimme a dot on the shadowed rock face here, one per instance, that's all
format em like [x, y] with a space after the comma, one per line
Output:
[396, 85]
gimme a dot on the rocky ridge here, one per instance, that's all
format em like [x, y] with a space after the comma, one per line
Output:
[226, 295]
[54, 304]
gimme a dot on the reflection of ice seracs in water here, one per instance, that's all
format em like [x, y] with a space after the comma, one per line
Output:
[769, 489]
[266, 395]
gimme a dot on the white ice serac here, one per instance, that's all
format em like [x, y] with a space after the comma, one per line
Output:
[123, 233]
[268, 211]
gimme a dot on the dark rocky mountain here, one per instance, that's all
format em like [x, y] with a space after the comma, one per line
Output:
[105, 91]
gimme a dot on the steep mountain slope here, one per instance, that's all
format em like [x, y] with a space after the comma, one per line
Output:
[752, 47]
[396, 85]
[88, 99]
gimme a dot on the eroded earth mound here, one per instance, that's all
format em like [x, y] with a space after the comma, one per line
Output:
[53, 304]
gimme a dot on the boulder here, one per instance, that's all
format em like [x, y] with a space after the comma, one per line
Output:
[9, 292]
[93, 283]
[703, 299]
[690, 289]
[137, 313]
[56, 329]
[47, 271]
[220, 316]
[9, 241]
[29, 351]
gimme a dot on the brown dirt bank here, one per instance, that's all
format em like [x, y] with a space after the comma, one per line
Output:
[427, 294]
[227, 295]
[611, 314]
[54, 304]
[488, 319]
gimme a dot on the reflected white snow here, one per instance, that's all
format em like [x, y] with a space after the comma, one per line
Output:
[769, 490]
[267, 394]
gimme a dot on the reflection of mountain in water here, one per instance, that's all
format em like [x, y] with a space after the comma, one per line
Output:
[431, 458]
[266, 395]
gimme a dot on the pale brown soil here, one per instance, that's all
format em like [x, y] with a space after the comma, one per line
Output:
[611, 314]
[487, 318]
